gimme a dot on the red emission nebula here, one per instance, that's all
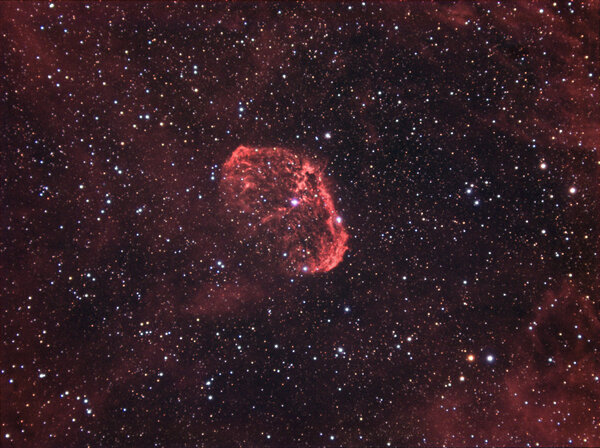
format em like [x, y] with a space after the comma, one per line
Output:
[282, 203]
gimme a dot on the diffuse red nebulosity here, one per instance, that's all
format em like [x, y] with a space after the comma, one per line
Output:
[549, 393]
[283, 201]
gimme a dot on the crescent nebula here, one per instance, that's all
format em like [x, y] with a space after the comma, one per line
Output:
[281, 204]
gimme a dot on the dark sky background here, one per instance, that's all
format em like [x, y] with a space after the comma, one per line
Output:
[460, 144]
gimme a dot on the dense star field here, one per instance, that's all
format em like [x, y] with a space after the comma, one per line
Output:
[284, 224]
